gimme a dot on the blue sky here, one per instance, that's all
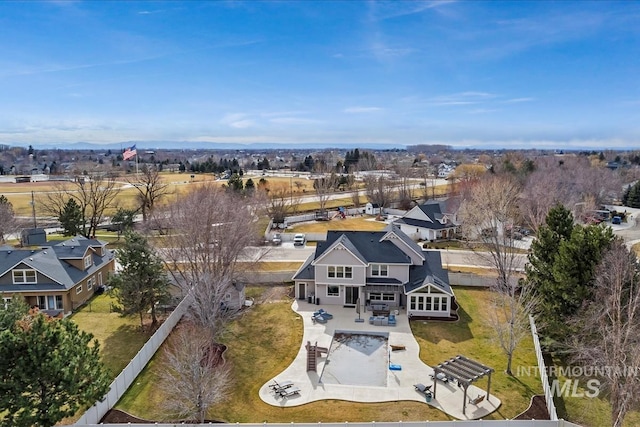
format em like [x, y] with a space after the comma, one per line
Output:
[465, 73]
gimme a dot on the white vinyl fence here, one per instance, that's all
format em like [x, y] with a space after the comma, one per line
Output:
[122, 382]
[551, 407]
[475, 423]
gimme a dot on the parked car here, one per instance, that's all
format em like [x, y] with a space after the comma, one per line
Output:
[616, 220]
[299, 240]
[277, 239]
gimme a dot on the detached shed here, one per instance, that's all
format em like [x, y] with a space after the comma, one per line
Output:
[372, 209]
[33, 237]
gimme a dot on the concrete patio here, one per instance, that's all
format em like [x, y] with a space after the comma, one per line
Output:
[399, 383]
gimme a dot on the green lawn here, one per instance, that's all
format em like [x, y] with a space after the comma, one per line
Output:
[471, 337]
[120, 337]
[264, 341]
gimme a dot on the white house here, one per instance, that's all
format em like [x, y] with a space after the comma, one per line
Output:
[429, 221]
[376, 267]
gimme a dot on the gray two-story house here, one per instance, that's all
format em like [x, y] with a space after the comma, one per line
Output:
[376, 267]
[56, 278]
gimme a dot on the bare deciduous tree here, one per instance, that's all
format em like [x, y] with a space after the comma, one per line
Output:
[487, 214]
[280, 202]
[94, 195]
[323, 187]
[378, 190]
[150, 189]
[609, 334]
[405, 188]
[209, 231]
[8, 223]
[193, 379]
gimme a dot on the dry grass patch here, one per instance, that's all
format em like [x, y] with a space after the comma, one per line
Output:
[348, 224]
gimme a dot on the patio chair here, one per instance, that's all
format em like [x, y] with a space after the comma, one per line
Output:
[421, 388]
[288, 392]
[323, 313]
[477, 400]
[319, 319]
[277, 387]
[442, 377]
[392, 320]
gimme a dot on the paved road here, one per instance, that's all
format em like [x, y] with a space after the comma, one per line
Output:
[288, 252]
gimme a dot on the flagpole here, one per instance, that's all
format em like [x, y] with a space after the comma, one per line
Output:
[136, 162]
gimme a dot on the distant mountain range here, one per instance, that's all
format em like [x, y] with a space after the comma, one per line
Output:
[204, 145]
[200, 145]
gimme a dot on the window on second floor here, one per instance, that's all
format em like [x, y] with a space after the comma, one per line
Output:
[24, 276]
[340, 272]
[88, 261]
[379, 270]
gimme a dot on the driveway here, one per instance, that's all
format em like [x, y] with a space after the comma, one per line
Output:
[399, 383]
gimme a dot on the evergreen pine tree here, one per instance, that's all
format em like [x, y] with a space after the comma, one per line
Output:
[48, 370]
[71, 218]
[142, 282]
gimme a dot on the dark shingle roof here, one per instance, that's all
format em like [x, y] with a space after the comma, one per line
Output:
[436, 225]
[430, 272]
[49, 261]
[306, 271]
[366, 245]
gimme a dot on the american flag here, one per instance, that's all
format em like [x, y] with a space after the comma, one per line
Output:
[129, 153]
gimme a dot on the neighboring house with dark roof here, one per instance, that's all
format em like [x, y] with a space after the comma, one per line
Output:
[377, 267]
[430, 221]
[56, 278]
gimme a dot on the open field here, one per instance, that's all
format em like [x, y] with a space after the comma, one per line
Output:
[266, 338]
[364, 223]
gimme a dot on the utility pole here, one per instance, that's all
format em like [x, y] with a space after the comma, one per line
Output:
[33, 210]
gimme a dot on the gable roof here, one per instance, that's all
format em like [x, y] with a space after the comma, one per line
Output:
[394, 229]
[435, 211]
[306, 271]
[431, 272]
[367, 245]
[49, 262]
[76, 248]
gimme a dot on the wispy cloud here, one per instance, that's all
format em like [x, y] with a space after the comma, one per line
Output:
[384, 52]
[237, 121]
[517, 100]
[293, 121]
[381, 11]
[462, 98]
[483, 111]
[359, 110]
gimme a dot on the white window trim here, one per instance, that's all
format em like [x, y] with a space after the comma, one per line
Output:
[90, 282]
[333, 294]
[339, 272]
[78, 289]
[377, 270]
[88, 261]
[421, 299]
[23, 275]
